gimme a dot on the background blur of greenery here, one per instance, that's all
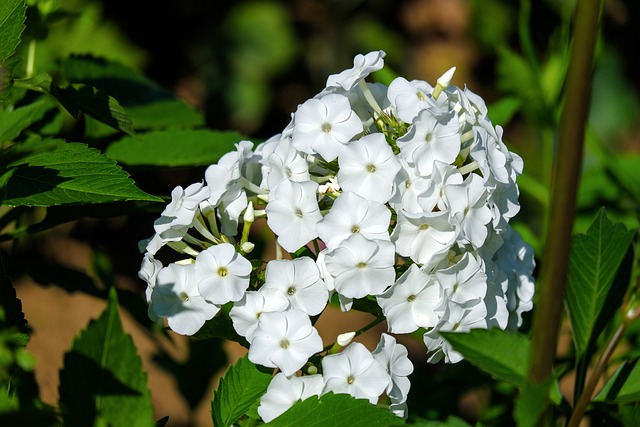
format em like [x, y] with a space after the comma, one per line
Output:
[248, 64]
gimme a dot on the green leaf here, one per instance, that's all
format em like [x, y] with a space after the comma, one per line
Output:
[77, 98]
[594, 261]
[59, 173]
[624, 384]
[15, 121]
[11, 315]
[102, 377]
[502, 354]
[241, 388]
[336, 410]
[174, 147]
[12, 16]
[149, 105]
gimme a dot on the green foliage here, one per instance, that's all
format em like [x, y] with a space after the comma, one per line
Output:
[102, 377]
[13, 122]
[487, 350]
[239, 390]
[624, 384]
[12, 17]
[174, 147]
[58, 173]
[149, 106]
[595, 258]
[531, 403]
[336, 410]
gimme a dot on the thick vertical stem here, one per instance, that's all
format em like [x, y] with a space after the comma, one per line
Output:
[564, 187]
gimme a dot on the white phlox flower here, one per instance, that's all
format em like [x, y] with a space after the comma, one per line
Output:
[222, 274]
[368, 167]
[425, 238]
[286, 163]
[293, 212]
[394, 357]
[414, 301]
[284, 391]
[176, 297]
[410, 98]
[246, 312]
[356, 372]
[148, 272]
[325, 126]
[431, 137]
[299, 280]
[352, 214]
[456, 319]
[469, 210]
[408, 186]
[434, 196]
[465, 282]
[363, 65]
[361, 267]
[284, 340]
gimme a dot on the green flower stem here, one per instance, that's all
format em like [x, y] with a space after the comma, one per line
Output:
[598, 370]
[375, 322]
[564, 189]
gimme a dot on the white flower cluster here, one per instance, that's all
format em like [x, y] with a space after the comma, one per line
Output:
[400, 195]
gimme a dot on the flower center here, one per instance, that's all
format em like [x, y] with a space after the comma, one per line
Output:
[355, 229]
[299, 212]
[326, 127]
[222, 271]
[184, 297]
[424, 227]
[407, 184]
[410, 298]
[361, 264]
[350, 379]
[421, 96]
[291, 290]
[428, 137]
[371, 168]
[284, 343]
[288, 172]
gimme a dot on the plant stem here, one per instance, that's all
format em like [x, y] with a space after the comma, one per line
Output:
[564, 187]
[585, 397]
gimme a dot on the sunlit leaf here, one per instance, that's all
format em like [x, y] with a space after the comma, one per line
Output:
[594, 261]
[336, 410]
[12, 16]
[174, 147]
[68, 173]
[502, 354]
[102, 377]
[240, 389]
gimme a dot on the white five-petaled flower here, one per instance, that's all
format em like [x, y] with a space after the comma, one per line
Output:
[394, 358]
[246, 312]
[222, 274]
[468, 206]
[284, 340]
[363, 65]
[412, 302]
[426, 238]
[352, 214]
[286, 163]
[293, 212]
[465, 282]
[431, 137]
[410, 98]
[325, 126]
[284, 391]
[360, 266]
[299, 280]
[368, 167]
[356, 372]
[176, 297]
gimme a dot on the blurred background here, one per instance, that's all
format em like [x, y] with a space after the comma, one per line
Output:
[246, 65]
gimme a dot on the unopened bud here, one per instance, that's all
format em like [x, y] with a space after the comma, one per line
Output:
[249, 214]
[344, 339]
[443, 82]
[247, 247]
